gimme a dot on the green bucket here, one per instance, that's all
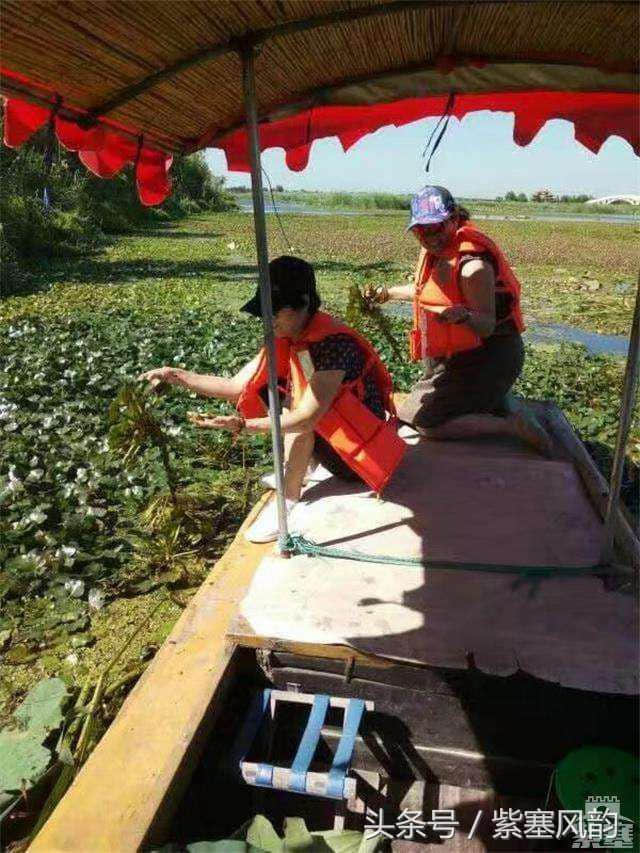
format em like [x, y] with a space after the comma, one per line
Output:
[599, 771]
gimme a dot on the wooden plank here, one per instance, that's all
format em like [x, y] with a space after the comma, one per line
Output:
[308, 698]
[240, 633]
[597, 487]
[127, 787]
[446, 617]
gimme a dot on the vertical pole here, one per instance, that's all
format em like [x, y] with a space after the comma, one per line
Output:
[251, 113]
[626, 413]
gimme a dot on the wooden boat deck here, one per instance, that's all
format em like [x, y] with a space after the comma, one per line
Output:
[491, 502]
[127, 787]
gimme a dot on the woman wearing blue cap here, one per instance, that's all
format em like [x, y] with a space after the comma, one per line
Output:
[467, 328]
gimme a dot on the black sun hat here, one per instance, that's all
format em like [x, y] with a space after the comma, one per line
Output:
[293, 285]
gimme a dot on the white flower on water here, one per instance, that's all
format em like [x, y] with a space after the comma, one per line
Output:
[36, 517]
[6, 409]
[96, 511]
[96, 599]
[14, 484]
[66, 555]
[75, 588]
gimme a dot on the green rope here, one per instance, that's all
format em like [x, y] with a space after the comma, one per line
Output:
[296, 544]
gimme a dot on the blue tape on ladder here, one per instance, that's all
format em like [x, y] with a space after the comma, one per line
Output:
[264, 776]
[250, 727]
[308, 744]
[344, 752]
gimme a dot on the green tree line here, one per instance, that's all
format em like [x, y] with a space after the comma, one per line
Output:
[82, 209]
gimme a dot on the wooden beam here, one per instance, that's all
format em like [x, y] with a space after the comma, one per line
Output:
[627, 405]
[256, 37]
[594, 482]
[132, 780]
[260, 36]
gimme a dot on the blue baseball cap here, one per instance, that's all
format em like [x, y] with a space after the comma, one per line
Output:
[431, 206]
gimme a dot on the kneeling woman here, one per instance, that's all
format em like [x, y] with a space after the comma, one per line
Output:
[336, 389]
[467, 325]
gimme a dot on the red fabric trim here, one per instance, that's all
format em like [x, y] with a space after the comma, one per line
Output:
[595, 115]
[152, 176]
[102, 150]
[20, 124]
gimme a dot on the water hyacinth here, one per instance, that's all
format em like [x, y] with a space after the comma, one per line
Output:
[108, 323]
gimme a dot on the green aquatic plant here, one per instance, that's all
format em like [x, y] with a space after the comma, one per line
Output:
[361, 309]
[134, 428]
[24, 754]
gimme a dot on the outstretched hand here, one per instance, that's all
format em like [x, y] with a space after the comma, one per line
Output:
[158, 375]
[375, 294]
[232, 423]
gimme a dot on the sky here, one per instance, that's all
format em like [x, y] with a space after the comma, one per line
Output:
[477, 158]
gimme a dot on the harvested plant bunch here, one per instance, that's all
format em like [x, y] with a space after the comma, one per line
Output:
[361, 309]
[134, 428]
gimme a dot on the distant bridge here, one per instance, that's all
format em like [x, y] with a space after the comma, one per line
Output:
[616, 199]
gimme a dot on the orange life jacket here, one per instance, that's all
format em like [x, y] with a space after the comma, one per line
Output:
[369, 445]
[250, 402]
[431, 337]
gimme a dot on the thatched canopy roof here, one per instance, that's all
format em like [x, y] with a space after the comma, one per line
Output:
[172, 70]
[131, 81]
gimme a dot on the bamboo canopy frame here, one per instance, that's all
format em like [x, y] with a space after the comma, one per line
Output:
[178, 77]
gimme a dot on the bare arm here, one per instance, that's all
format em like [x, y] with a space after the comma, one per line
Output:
[402, 293]
[204, 384]
[478, 285]
[315, 402]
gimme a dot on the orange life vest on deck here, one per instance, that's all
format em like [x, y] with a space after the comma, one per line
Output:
[370, 446]
[434, 292]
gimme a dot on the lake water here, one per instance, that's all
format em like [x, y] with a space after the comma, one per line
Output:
[552, 333]
[536, 332]
[306, 210]
[594, 342]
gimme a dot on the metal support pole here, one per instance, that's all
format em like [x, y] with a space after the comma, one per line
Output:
[626, 413]
[249, 87]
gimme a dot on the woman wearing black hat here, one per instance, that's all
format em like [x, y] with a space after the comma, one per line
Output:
[467, 325]
[330, 378]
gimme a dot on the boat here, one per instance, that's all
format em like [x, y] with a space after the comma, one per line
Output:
[439, 651]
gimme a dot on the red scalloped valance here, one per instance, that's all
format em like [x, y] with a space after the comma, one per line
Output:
[595, 115]
[101, 149]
